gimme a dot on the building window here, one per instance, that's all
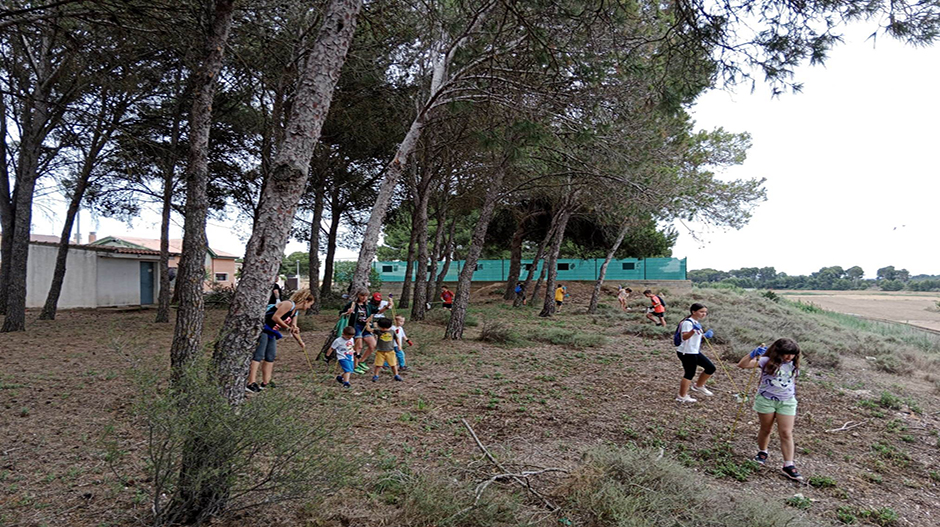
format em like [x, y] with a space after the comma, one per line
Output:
[564, 267]
[528, 267]
[629, 266]
[221, 277]
[386, 268]
[478, 267]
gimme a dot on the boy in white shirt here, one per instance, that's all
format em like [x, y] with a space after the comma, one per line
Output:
[400, 339]
[345, 349]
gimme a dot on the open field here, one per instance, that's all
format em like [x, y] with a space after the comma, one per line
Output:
[917, 309]
[564, 388]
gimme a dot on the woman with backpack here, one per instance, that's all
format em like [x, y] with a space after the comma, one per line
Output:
[688, 341]
[278, 317]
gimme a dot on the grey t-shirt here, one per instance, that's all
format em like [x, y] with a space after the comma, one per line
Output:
[385, 339]
[781, 386]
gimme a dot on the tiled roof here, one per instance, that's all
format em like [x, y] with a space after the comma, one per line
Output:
[176, 245]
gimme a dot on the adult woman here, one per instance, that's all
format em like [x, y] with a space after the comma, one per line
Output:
[279, 316]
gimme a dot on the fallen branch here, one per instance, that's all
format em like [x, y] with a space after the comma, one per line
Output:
[847, 426]
[520, 478]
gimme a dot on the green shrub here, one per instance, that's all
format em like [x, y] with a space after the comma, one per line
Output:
[799, 502]
[343, 275]
[219, 295]
[198, 467]
[498, 331]
[822, 482]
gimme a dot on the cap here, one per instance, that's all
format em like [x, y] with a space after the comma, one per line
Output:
[376, 296]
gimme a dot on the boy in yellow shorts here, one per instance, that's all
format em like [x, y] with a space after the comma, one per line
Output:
[385, 347]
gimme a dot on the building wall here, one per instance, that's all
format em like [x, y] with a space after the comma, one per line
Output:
[78, 287]
[222, 265]
[119, 282]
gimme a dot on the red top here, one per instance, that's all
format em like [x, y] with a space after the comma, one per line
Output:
[657, 304]
[447, 297]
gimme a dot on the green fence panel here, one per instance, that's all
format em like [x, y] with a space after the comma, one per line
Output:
[568, 269]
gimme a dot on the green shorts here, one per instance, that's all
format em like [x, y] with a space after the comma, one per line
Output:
[763, 405]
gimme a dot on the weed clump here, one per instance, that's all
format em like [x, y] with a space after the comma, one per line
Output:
[498, 332]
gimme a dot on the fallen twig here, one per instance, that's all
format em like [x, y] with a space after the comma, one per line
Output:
[847, 426]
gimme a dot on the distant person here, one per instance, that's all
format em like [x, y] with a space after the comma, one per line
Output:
[520, 292]
[278, 317]
[447, 297]
[623, 294]
[776, 398]
[400, 339]
[657, 310]
[559, 297]
[384, 305]
[385, 350]
[275, 293]
[689, 350]
[344, 347]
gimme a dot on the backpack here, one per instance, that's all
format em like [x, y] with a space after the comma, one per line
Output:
[518, 289]
[661, 301]
[677, 337]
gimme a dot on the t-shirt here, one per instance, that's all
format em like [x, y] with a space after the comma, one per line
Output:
[693, 344]
[400, 335]
[780, 386]
[360, 313]
[275, 298]
[385, 339]
[559, 295]
[382, 305]
[658, 305]
[344, 348]
[447, 297]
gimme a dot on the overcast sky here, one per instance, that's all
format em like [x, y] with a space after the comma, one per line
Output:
[850, 162]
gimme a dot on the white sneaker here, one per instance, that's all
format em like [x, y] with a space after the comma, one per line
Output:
[703, 390]
[686, 399]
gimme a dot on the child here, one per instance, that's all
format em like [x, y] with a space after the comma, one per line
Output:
[657, 311]
[345, 349]
[447, 297]
[400, 338]
[776, 398]
[520, 292]
[279, 316]
[623, 293]
[559, 297]
[385, 348]
[690, 354]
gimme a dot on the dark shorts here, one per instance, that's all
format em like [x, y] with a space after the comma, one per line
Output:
[559, 302]
[361, 332]
[691, 361]
[660, 315]
[448, 306]
[266, 350]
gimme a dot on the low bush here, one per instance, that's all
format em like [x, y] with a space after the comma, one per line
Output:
[498, 331]
[635, 487]
[219, 296]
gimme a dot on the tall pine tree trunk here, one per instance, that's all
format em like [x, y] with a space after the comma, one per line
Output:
[551, 265]
[419, 306]
[535, 264]
[315, 246]
[436, 251]
[326, 289]
[448, 257]
[169, 170]
[515, 259]
[187, 333]
[455, 325]
[592, 307]
[286, 183]
[6, 213]
[405, 301]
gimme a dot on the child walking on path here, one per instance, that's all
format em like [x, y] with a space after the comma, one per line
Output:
[657, 310]
[400, 338]
[345, 349]
[689, 335]
[623, 293]
[385, 348]
[776, 398]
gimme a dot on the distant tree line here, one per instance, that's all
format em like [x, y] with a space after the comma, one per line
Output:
[833, 278]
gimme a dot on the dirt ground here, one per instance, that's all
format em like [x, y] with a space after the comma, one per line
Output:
[916, 309]
[65, 382]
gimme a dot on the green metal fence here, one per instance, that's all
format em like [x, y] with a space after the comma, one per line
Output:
[568, 269]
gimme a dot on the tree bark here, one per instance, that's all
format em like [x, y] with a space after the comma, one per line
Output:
[455, 325]
[6, 212]
[538, 283]
[548, 308]
[448, 257]
[419, 306]
[535, 263]
[169, 170]
[436, 251]
[191, 272]
[315, 246]
[405, 299]
[326, 289]
[515, 258]
[592, 307]
[286, 183]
